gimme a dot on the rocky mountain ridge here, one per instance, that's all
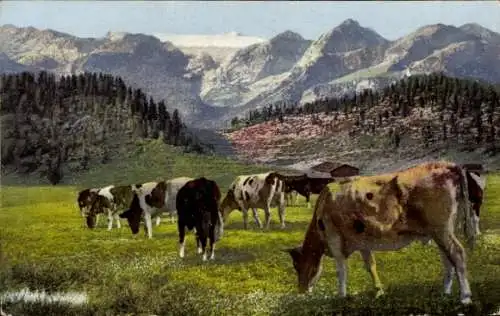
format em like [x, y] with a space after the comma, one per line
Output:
[209, 91]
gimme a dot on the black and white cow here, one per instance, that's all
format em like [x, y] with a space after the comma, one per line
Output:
[110, 200]
[197, 204]
[263, 190]
[149, 199]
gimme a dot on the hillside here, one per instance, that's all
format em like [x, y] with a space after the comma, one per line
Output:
[210, 79]
[58, 127]
[425, 116]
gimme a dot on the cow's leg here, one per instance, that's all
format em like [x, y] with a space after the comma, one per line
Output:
[211, 237]
[110, 219]
[281, 213]
[308, 200]
[158, 220]
[182, 235]
[148, 224]
[449, 272]
[244, 211]
[198, 244]
[256, 217]
[97, 216]
[203, 240]
[267, 213]
[335, 246]
[477, 207]
[371, 267]
[172, 217]
[116, 216]
[455, 253]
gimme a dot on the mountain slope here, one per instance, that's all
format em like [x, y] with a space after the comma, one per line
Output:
[421, 116]
[209, 91]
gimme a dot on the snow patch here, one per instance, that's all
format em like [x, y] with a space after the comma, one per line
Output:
[220, 40]
[26, 295]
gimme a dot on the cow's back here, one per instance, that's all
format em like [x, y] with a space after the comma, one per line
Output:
[173, 187]
[426, 187]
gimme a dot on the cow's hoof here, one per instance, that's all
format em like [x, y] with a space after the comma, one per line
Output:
[212, 257]
[379, 293]
[204, 257]
[199, 250]
[181, 254]
[466, 300]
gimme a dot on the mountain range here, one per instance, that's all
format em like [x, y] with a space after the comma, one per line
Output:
[210, 84]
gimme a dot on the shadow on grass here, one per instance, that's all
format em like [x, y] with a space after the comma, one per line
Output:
[274, 226]
[399, 300]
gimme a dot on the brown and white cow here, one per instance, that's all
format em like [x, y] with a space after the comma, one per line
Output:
[149, 199]
[385, 213]
[263, 190]
[197, 204]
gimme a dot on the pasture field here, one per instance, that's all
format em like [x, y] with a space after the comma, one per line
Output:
[44, 246]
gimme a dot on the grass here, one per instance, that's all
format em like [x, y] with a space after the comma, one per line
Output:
[44, 246]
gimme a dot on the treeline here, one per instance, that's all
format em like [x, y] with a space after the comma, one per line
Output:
[457, 100]
[47, 121]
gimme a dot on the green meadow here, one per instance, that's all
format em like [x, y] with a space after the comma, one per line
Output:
[43, 246]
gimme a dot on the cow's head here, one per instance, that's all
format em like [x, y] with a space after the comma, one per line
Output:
[133, 215]
[99, 204]
[308, 268]
[228, 204]
[85, 200]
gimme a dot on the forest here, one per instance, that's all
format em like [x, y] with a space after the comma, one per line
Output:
[467, 110]
[47, 121]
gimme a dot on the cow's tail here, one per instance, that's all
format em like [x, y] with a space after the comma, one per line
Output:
[465, 211]
[219, 226]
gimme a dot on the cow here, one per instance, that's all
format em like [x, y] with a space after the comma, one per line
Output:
[148, 199]
[305, 185]
[263, 190]
[111, 199]
[386, 213]
[197, 205]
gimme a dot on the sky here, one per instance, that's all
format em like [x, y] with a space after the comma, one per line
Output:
[253, 18]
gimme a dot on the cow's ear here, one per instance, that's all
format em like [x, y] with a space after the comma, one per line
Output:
[295, 253]
[395, 188]
[125, 214]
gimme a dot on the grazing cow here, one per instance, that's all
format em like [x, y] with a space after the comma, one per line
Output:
[305, 185]
[263, 190]
[197, 204]
[148, 199]
[386, 213]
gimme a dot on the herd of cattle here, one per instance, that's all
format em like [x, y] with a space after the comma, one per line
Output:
[418, 203]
